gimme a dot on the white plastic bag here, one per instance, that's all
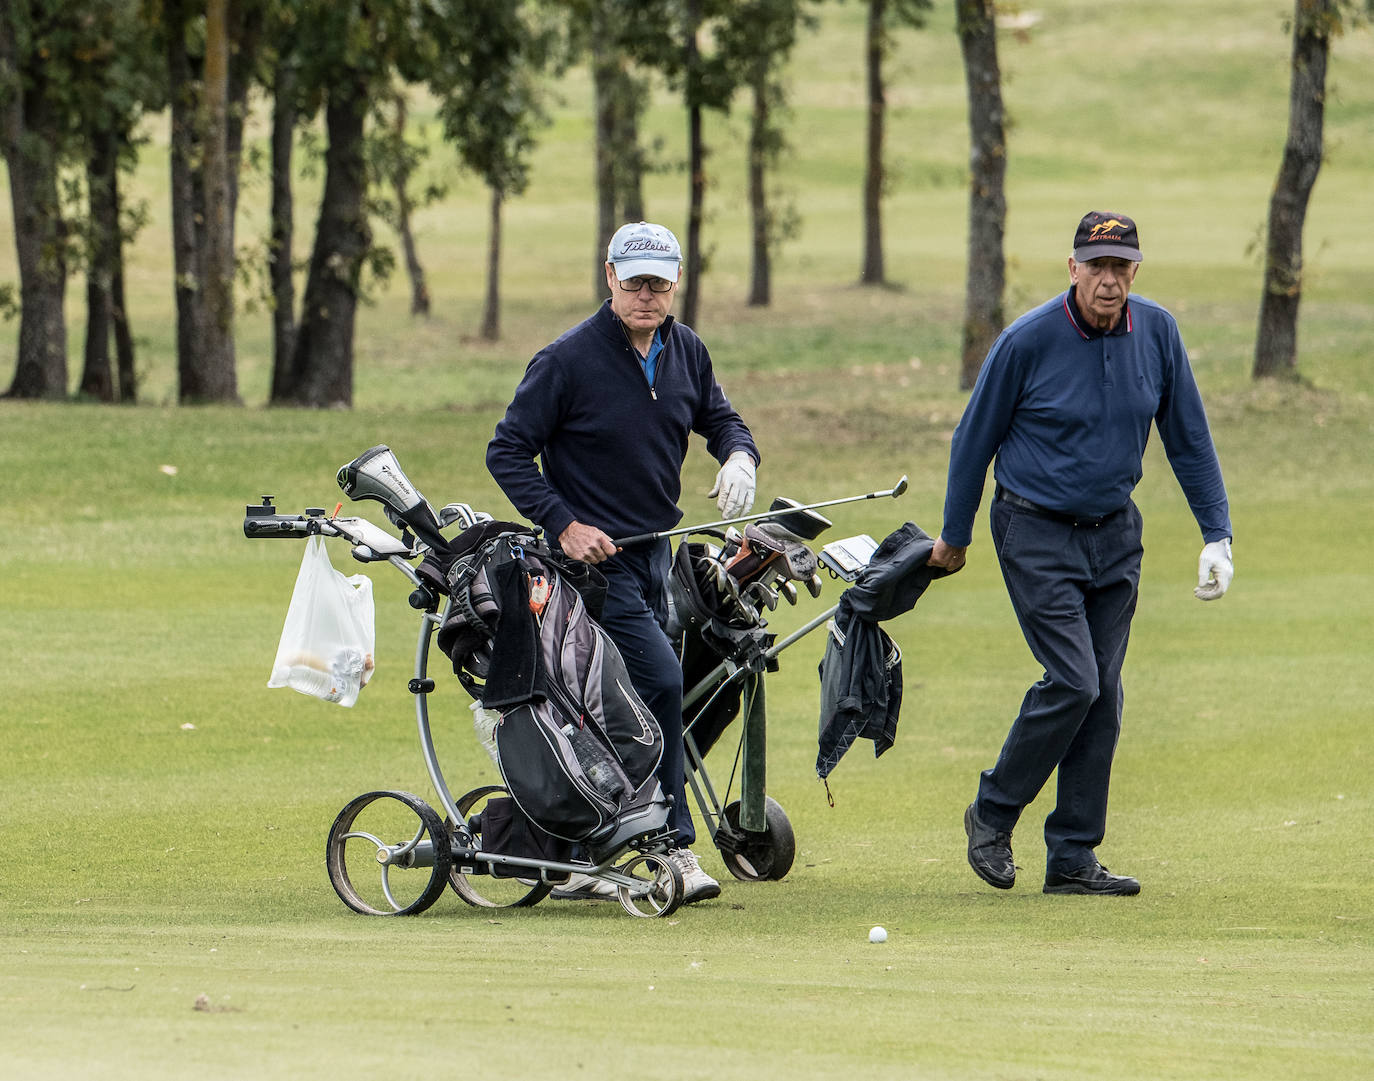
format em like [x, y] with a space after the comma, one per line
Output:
[327, 644]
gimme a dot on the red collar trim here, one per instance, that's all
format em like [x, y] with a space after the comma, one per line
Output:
[1068, 311]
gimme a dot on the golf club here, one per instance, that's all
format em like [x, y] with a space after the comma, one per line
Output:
[775, 512]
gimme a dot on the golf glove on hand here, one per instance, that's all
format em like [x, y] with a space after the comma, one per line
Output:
[735, 485]
[1214, 570]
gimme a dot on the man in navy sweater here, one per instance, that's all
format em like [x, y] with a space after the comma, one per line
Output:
[607, 410]
[1064, 402]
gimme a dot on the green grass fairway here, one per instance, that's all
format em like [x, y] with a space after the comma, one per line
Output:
[151, 864]
[165, 813]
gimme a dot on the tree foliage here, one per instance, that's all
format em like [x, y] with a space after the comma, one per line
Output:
[757, 38]
[476, 58]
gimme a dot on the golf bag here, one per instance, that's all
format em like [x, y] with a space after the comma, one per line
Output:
[709, 622]
[576, 746]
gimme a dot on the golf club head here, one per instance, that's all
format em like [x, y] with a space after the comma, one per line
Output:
[733, 539]
[462, 514]
[766, 596]
[375, 474]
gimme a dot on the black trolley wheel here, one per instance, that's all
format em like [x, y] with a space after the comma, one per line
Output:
[388, 854]
[476, 884]
[757, 857]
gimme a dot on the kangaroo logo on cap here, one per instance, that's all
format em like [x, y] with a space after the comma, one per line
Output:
[1102, 230]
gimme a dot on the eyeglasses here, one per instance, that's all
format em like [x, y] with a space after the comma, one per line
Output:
[656, 285]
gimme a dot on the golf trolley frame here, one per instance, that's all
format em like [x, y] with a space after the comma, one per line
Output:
[752, 833]
[390, 853]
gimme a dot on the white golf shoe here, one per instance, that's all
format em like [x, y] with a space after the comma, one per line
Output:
[697, 884]
[580, 887]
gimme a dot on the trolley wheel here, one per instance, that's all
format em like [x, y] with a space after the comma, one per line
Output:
[757, 857]
[660, 890]
[479, 887]
[388, 854]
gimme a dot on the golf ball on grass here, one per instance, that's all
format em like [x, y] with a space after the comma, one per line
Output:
[878, 934]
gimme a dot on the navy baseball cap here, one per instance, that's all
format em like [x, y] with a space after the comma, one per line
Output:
[1104, 235]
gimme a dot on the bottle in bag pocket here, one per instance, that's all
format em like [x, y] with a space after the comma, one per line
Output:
[595, 761]
[484, 722]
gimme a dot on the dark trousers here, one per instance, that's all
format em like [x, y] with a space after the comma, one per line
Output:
[1074, 590]
[635, 612]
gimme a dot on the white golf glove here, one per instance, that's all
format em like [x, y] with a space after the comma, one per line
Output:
[1214, 570]
[735, 485]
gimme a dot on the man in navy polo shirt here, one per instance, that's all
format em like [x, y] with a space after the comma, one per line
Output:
[608, 409]
[1064, 403]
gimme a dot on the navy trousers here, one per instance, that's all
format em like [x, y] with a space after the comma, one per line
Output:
[634, 615]
[1074, 590]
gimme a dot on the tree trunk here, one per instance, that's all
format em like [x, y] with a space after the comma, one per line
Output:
[491, 311]
[26, 131]
[871, 272]
[210, 373]
[696, 169]
[187, 197]
[1276, 348]
[987, 204]
[419, 292]
[244, 22]
[97, 377]
[761, 276]
[604, 92]
[279, 257]
[619, 159]
[124, 339]
[324, 343]
[696, 157]
[630, 167]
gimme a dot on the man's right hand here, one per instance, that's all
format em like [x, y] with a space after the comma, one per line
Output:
[947, 556]
[586, 542]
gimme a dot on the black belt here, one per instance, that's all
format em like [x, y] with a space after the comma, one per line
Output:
[1079, 520]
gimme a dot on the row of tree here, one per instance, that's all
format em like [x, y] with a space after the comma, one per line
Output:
[77, 78]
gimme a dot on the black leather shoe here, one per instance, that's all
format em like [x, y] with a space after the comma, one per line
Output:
[989, 852]
[1091, 878]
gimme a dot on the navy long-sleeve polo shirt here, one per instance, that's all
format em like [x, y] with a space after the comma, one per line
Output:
[611, 444]
[1067, 411]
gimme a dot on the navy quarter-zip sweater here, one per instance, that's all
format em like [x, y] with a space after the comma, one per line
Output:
[611, 446]
[1067, 411]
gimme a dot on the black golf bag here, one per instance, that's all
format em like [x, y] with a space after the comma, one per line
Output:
[709, 624]
[576, 745]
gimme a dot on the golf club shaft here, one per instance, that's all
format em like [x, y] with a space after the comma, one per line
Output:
[644, 538]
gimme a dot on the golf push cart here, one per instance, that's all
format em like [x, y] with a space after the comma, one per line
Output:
[392, 853]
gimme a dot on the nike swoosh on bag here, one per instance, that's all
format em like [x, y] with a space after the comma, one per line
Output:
[646, 735]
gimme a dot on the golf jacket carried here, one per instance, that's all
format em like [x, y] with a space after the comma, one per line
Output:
[861, 672]
[611, 444]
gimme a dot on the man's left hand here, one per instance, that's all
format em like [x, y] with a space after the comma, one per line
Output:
[735, 485]
[947, 556]
[1214, 570]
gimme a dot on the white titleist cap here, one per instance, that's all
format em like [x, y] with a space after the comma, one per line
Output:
[643, 249]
